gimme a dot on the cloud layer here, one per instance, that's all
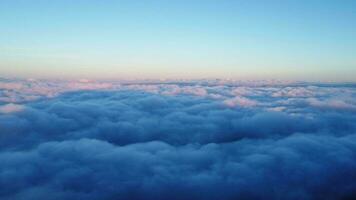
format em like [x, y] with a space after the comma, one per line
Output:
[177, 140]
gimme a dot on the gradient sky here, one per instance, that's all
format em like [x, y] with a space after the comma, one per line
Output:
[295, 40]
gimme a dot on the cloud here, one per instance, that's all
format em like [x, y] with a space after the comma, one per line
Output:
[11, 108]
[240, 101]
[297, 167]
[176, 141]
[296, 92]
[333, 104]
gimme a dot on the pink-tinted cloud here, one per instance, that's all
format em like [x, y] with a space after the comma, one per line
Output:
[240, 101]
[11, 108]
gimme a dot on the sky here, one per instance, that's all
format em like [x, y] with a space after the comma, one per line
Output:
[292, 40]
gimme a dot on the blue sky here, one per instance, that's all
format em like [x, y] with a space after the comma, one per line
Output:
[293, 40]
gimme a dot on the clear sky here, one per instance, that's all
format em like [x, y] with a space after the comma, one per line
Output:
[246, 39]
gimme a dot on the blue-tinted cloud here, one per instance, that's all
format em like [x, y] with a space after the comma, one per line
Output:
[179, 141]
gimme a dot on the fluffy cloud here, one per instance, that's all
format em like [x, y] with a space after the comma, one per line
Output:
[296, 92]
[11, 108]
[333, 104]
[240, 101]
[197, 140]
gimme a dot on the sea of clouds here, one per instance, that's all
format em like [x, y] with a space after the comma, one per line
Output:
[205, 139]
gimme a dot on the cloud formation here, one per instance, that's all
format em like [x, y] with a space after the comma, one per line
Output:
[177, 140]
[11, 108]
